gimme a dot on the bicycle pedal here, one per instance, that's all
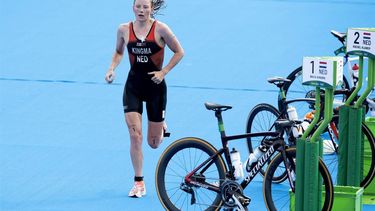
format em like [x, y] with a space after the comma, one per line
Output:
[244, 200]
[166, 134]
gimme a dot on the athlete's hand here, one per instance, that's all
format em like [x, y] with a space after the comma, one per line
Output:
[110, 76]
[158, 76]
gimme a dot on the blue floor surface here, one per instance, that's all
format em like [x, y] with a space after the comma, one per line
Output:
[63, 141]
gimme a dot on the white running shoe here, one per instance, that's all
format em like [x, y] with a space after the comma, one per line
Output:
[138, 190]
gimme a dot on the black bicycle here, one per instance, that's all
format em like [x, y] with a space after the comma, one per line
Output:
[263, 117]
[193, 175]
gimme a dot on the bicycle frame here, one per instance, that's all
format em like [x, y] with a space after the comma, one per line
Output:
[262, 161]
[276, 145]
[254, 170]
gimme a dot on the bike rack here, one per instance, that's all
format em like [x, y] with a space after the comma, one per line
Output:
[320, 72]
[352, 116]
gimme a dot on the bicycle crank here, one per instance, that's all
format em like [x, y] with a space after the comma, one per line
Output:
[232, 195]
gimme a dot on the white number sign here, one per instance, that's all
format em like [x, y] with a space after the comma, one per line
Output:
[326, 72]
[361, 41]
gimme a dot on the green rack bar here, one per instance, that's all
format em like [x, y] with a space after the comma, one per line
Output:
[308, 195]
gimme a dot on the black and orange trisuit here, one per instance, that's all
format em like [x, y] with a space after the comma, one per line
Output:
[145, 56]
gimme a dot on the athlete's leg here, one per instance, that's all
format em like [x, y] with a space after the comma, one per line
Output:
[156, 104]
[134, 122]
[133, 116]
[155, 133]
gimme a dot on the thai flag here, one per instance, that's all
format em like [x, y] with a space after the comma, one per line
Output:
[366, 35]
[323, 65]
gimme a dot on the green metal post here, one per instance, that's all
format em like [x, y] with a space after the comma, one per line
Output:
[308, 150]
[315, 191]
[355, 138]
[316, 116]
[308, 194]
[355, 142]
[301, 155]
[299, 193]
[328, 108]
[311, 186]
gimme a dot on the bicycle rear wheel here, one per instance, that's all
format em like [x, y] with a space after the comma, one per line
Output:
[277, 197]
[177, 161]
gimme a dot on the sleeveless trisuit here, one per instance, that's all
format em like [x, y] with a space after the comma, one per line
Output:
[145, 56]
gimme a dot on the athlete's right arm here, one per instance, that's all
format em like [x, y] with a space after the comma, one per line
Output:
[118, 54]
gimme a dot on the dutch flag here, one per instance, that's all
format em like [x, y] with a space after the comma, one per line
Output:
[366, 35]
[322, 65]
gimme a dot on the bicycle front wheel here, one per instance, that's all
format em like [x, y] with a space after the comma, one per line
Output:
[261, 118]
[277, 197]
[176, 162]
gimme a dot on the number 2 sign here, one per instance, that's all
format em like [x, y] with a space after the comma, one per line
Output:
[361, 41]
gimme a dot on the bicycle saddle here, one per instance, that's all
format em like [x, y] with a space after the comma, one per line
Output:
[339, 35]
[278, 81]
[216, 107]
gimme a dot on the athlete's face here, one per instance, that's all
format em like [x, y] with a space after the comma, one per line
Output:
[142, 9]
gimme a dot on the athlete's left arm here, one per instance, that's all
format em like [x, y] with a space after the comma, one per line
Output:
[172, 42]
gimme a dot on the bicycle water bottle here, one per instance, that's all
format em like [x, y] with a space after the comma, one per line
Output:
[253, 157]
[236, 162]
[306, 121]
[292, 114]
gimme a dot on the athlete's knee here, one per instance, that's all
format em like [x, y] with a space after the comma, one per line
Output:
[135, 134]
[154, 142]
